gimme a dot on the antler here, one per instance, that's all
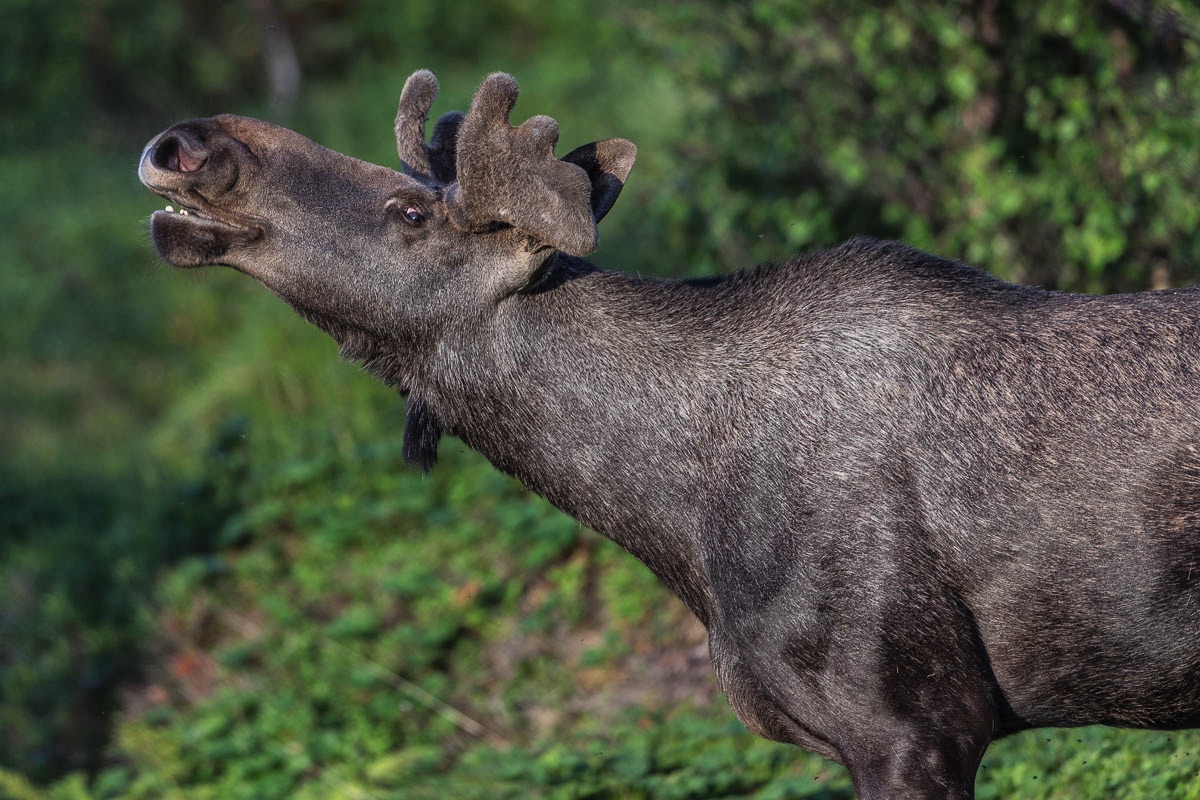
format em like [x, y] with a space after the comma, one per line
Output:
[510, 174]
[435, 163]
[493, 172]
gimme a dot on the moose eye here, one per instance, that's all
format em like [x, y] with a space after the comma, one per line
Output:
[411, 213]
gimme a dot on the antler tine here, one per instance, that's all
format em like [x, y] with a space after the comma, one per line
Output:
[415, 101]
[495, 99]
[510, 174]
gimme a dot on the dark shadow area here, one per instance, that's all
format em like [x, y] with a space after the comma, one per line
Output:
[79, 560]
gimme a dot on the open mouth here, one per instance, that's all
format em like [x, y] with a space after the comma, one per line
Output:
[191, 236]
[199, 215]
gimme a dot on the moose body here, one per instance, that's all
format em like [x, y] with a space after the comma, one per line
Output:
[916, 507]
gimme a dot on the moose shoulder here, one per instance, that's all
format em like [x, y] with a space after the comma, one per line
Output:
[916, 507]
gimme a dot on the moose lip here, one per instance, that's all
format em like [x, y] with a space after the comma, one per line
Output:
[203, 219]
[191, 237]
[192, 214]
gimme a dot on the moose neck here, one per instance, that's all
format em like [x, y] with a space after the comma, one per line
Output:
[574, 385]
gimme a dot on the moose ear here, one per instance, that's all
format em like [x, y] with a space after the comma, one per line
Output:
[607, 164]
[443, 146]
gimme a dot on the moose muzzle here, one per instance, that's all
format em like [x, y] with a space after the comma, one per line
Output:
[196, 166]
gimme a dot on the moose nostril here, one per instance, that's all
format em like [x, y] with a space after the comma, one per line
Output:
[171, 154]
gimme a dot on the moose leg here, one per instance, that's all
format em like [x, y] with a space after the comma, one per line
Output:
[918, 766]
[898, 694]
[890, 753]
[924, 717]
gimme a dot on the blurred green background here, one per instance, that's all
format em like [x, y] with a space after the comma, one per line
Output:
[218, 580]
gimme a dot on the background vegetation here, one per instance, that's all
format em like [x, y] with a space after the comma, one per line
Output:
[216, 577]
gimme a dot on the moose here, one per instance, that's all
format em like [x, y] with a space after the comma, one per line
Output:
[916, 507]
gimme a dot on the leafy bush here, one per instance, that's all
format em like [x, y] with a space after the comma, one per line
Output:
[1049, 142]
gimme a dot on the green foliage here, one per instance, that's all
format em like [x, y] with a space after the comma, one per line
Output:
[63, 64]
[1092, 762]
[218, 580]
[75, 568]
[1050, 142]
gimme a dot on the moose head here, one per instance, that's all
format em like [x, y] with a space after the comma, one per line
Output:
[370, 254]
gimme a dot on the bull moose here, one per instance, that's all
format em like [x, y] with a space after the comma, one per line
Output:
[916, 507]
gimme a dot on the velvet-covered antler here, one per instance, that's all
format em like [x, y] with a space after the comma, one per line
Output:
[510, 174]
[435, 163]
[493, 172]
